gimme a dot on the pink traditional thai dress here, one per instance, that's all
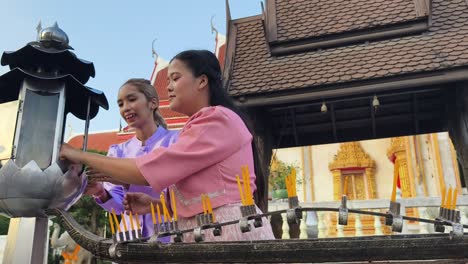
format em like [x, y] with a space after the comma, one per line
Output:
[210, 151]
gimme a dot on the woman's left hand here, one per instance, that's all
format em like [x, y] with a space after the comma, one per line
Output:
[138, 202]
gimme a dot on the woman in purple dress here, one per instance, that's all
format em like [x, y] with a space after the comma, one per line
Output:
[138, 104]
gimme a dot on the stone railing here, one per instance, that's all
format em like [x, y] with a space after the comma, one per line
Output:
[426, 207]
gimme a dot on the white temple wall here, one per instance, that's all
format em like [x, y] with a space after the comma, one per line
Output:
[318, 180]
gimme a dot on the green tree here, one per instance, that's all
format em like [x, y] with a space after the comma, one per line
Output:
[278, 173]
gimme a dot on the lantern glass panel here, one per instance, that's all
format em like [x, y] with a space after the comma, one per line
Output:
[8, 114]
[38, 125]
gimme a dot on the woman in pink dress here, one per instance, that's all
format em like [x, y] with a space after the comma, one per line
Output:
[211, 149]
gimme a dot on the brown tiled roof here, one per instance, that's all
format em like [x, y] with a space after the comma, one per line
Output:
[444, 46]
[100, 141]
[168, 113]
[297, 19]
[161, 83]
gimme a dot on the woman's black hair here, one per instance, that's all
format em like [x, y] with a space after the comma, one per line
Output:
[205, 62]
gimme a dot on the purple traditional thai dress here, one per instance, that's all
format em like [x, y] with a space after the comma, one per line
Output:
[131, 149]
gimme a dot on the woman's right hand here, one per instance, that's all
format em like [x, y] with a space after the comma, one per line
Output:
[97, 176]
[70, 153]
[138, 202]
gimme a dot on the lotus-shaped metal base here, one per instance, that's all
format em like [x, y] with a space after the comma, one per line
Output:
[28, 191]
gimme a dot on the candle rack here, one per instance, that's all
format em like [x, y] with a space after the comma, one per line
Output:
[453, 218]
[205, 221]
[249, 212]
[124, 237]
[393, 217]
[293, 214]
[343, 211]
[126, 250]
[165, 229]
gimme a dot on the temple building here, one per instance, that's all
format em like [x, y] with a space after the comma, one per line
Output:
[364, 170]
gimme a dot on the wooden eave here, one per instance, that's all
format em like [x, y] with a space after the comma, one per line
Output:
[354, 88]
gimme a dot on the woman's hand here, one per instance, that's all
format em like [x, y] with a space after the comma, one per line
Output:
[70, 153]
[97, 176]
[94, 188]
[138, 202]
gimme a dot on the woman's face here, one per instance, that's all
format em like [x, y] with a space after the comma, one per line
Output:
[184, 89]
[134, 108]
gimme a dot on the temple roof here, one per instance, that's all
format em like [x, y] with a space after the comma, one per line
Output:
[254, 71]
[100, 141]
[299, 19]
[160, 82]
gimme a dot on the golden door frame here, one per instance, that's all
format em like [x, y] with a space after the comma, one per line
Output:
[354, 165]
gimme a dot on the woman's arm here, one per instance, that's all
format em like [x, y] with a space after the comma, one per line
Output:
[124, 170]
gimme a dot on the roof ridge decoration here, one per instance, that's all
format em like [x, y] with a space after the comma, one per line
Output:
[159, 64]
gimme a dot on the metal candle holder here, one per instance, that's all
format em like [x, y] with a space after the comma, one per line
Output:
[394, 218]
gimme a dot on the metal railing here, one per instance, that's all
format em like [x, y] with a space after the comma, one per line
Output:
[428, 208]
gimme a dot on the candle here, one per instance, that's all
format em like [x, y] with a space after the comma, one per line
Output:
[115, 219]
[208, 204]
[395, 179]
[454, 199]
[132, 226]
[246, 181]
[174, 208]
[293, 181]
[111, 223]
[159, 214]
[203, 203]
[152, 214]
[124, 222]
[240, 190]
[138, 221]
[210, 209]
[290, 185]
[345, 187]
[167, 216]
[247, 176]
[442, 204]
[288, 189]
[448, 200]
